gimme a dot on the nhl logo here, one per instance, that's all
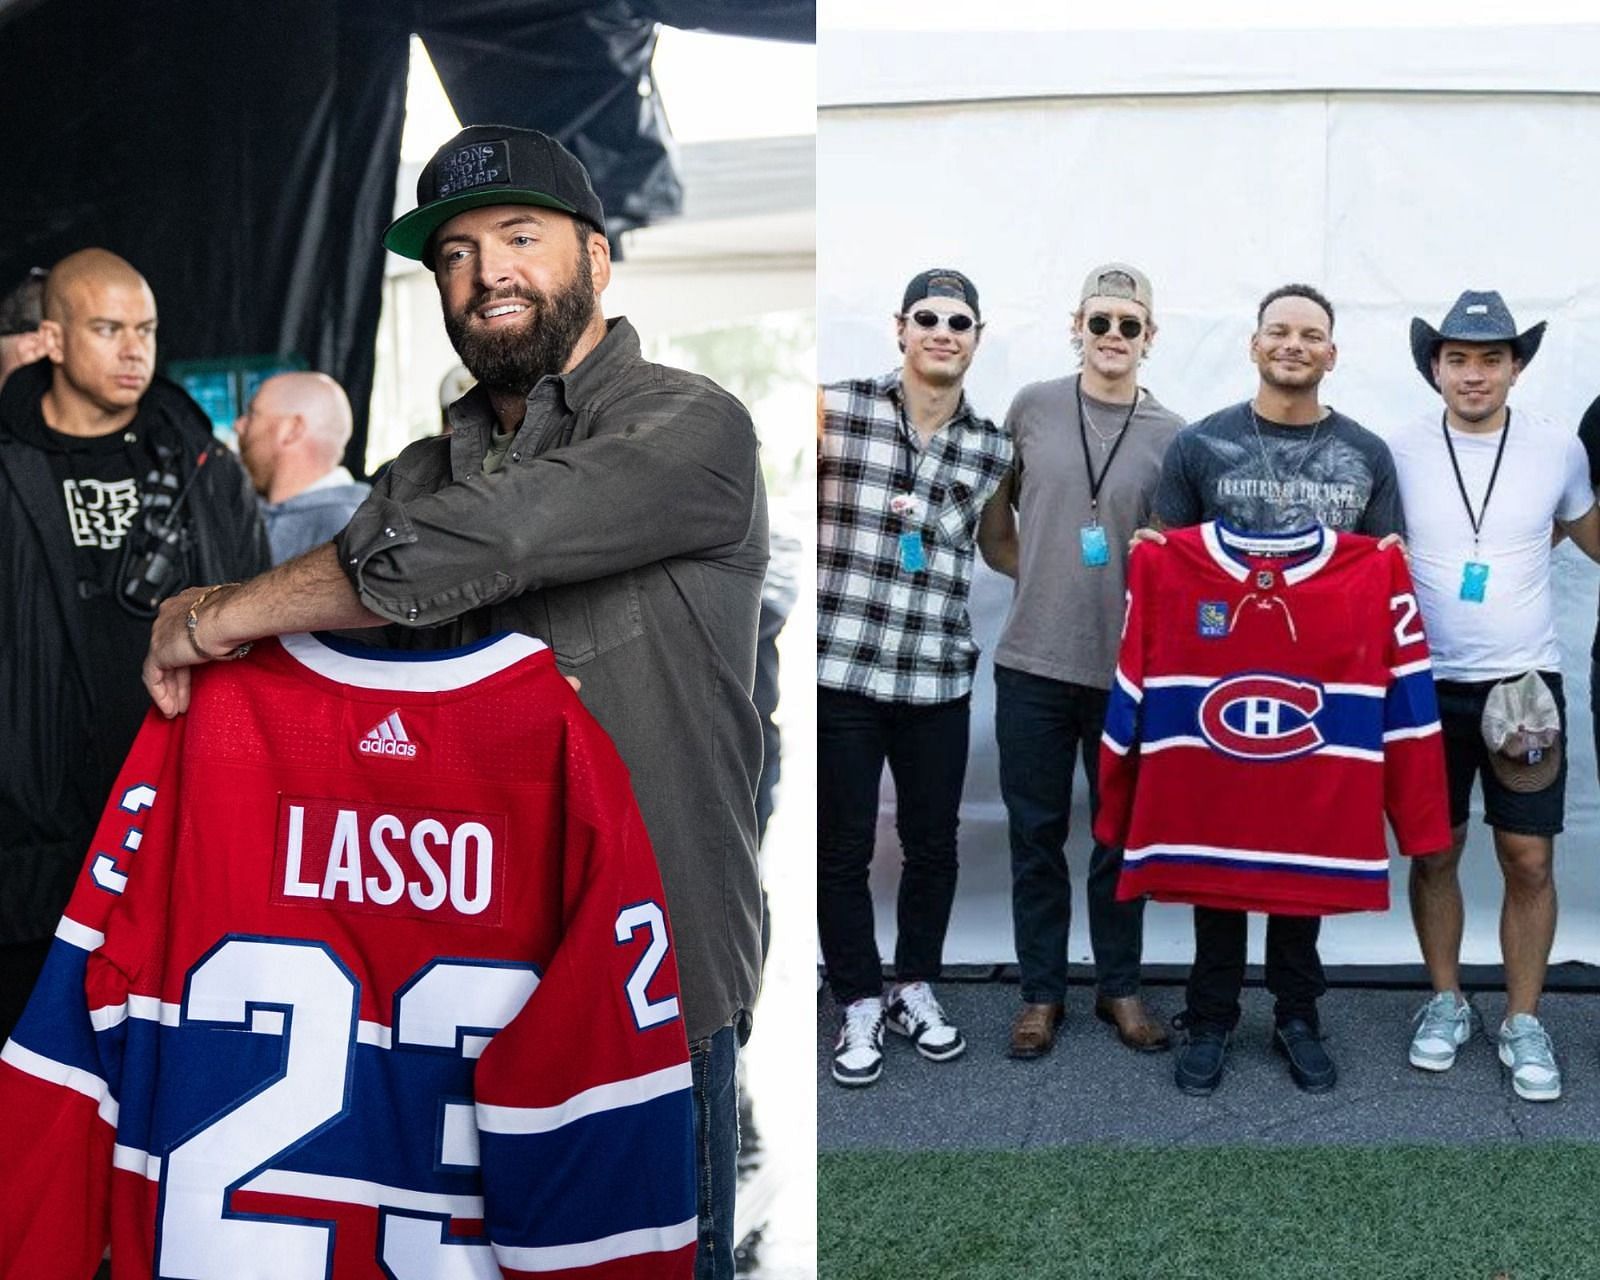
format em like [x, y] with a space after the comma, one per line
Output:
[1264, 580]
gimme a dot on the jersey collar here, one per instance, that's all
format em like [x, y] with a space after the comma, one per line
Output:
[409, 671]
[1226, 545]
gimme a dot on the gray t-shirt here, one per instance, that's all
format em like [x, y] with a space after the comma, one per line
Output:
[1066, 617]
[1265, 477]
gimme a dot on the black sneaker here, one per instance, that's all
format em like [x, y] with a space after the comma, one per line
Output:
[1309, 1063]
[1198, 1069]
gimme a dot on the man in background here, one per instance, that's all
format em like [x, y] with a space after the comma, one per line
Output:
[113, 495]
[21, 312]
[291, 440]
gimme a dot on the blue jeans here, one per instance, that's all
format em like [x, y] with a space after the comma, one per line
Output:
[716, 1141]
[1042, 726]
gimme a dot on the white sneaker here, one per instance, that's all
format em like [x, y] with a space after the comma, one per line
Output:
[1444, 1024]
[1525, 1047]
[914, 1013]
[858, 1052]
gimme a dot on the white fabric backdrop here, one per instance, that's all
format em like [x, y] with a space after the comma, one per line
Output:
[1391, 202]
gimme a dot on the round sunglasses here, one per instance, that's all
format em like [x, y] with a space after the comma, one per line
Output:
[1130, 327]
[956, 322]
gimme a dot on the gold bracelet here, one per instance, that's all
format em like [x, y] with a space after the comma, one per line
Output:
[191, 623]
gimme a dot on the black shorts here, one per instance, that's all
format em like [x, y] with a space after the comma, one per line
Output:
[1466, 756]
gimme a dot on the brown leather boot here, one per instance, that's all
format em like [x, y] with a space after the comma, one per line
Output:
[1033, 1031]
[1135, 1027]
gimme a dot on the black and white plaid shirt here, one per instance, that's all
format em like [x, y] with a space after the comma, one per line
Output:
[893, 634]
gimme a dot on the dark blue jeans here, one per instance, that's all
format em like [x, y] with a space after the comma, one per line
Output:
[926, 750]
[1041, 726]
[716, 1138]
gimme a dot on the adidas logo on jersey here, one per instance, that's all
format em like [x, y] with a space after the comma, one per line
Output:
[388, 738]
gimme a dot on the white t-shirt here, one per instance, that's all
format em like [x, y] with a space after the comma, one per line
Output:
[1544, 477]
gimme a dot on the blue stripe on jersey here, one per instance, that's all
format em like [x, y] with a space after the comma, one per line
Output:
[1346, 719]
[1122, 717]
[1411, 702]
[614, 1171]
[56, 1024]
[1380, 870]
[389, 1133]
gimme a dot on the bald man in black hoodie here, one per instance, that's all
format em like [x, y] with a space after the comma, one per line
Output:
[96, 451]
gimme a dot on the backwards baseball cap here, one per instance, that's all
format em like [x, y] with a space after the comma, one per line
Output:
[941, 282]
[1522, 728]
[1118, 280]
[492, 164]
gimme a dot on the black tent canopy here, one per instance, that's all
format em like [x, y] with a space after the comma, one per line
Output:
[243, 156]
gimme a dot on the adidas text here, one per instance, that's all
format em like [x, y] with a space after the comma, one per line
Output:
[374, 747]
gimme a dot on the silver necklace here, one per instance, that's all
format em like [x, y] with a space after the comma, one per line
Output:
[1266, 461]
[1105, 441]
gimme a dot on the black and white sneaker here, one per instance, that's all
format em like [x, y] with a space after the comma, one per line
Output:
[914, 1013]
[858, 1052]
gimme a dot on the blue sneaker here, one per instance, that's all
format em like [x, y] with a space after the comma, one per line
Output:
[1525, 1047]
[1444, 1024]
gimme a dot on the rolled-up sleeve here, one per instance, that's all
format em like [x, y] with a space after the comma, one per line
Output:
[672, 473]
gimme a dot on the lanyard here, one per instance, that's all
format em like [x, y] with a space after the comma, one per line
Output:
[905, 479]
[1475, 520]
[1096, 483]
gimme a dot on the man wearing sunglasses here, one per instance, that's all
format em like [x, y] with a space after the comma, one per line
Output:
[1275, 463]
[1088, 450]
[904, 469]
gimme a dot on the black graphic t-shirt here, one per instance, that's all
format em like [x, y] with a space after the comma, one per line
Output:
[97, 481]
[1267, 477]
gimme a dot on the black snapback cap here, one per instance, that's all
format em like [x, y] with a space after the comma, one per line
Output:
[492, 164]
[941, 282]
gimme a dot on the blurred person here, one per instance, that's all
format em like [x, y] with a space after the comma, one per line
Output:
[452, 387]
[1483, 485]
[21, 313]
[113, 495]
[291, 440]
[610, 507]
[905, 467]
[1087, 461]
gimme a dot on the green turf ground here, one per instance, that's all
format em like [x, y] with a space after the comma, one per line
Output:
[1505, 1212]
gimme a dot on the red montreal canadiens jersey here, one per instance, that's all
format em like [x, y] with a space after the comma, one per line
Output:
[366, 975]
[1273, 701]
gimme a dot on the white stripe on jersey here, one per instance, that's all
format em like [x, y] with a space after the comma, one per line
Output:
[1266, 857]
[603, 1097]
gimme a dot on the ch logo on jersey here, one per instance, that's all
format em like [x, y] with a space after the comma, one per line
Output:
[388, 738]
[1261, 716]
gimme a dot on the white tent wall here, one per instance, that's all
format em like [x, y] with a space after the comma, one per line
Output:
[1388, 194]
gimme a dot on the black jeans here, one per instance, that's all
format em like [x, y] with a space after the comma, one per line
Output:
[926, 750]
[1041, 725]
[1294, 969]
